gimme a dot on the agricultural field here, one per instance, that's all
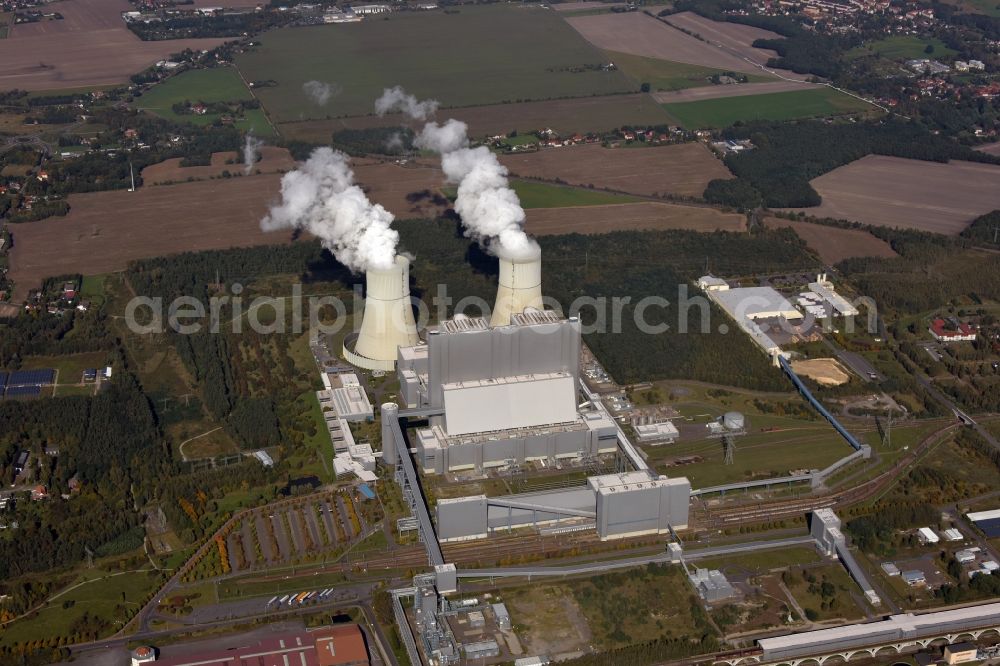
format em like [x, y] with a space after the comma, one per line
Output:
[734, 37]
[723, 112]
[732, 90]
[910, 194]
[903, 47]
[219, 84]
[139, 221]
[272, 159]
[833, 244]
[987, 7]
[664, 75]
[454, 58]
[990, 148]
[585, 114]
[90, 47]
[312, 529]
[682, 169]
[638, 34]
[645, 216]
[105, 230]
[543, 195]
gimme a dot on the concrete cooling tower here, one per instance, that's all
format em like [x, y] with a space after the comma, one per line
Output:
[520, 287]
[387, 323]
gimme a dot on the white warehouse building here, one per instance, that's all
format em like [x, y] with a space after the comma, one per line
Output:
[506, 394]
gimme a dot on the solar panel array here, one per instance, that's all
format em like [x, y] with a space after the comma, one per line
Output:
[3, 381]
[31, 377]
[990, 527]
[14, 392]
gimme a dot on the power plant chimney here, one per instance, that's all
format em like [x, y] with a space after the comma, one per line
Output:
[520, 287]
[387, 323]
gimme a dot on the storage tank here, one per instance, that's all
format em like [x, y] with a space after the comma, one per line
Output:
[519, 288]
[733, 421]
[387, 322]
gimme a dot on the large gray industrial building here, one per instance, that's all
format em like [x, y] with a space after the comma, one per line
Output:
[502, 395]
[616, 505]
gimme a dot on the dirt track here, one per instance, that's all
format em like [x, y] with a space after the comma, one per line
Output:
[833, 244]
[638, 34]
[90, 47]
[912, 194]
[636, 216]
[683, 169]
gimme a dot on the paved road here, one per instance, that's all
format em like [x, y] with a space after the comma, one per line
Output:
[856, 362]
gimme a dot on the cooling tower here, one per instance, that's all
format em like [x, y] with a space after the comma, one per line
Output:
[520, 287]
[387, 323]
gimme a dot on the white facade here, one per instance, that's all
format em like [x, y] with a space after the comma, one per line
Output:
[508, 403]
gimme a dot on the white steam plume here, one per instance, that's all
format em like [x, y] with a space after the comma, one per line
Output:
[396, 99]
[320, 197]
[251, 150]
[491, 211]
[320, 92]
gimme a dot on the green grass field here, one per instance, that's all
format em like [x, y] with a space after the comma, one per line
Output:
[456, 58]
[221, 84]
[903, 47]
[723, 112]
[667, 75]
[101, 596]
[988, 7]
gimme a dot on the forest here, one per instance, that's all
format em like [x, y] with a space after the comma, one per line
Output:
[788, 155]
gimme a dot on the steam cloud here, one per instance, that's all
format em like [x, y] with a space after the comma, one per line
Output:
[251, 150]
[320, 92]
[321, 198]
[396, 99]
[491, 211]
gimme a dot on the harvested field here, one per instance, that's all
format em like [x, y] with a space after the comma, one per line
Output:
[683, 169]
[732, 90]
[105, 230]
[825, 371]
[636, 216]
[407, 192]
[90, 47]
[911, 194]
[832, 244]
[639, 34]
[990, 148]
[734, 38]
[584, 114]
[272, 159]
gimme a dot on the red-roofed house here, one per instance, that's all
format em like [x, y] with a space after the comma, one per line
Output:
[962, 333]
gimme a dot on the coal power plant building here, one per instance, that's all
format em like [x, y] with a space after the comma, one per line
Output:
[616, 505]
[501, 395]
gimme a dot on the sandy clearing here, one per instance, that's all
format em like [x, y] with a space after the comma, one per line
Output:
[897, 192]
[735, 90]
[639, 34]
[683, 169]
[833, 244]
[635, 216]
[90, 47]
[826, 371]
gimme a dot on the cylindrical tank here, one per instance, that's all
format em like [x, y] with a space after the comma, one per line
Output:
[733, 421]
[519, 288]
[387, 323]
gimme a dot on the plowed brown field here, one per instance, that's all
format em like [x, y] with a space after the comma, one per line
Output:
[683, 169]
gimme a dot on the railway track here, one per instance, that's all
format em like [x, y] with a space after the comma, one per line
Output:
[758, 512]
